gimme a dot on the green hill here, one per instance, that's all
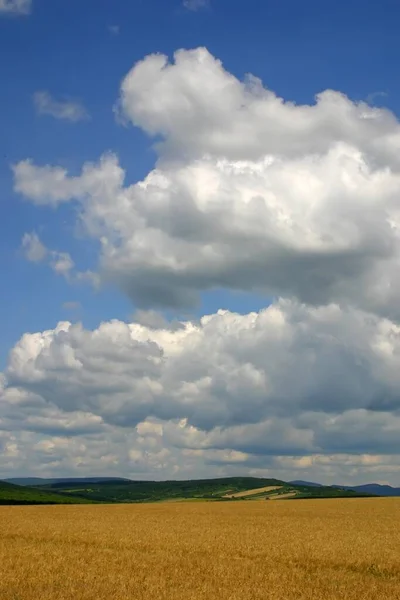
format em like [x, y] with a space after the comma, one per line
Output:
[154, 491]
[16, 494]
[225, 489]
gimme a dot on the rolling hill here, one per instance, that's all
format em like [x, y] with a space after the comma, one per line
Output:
[368, 488]
[373, 488]
[230, 488]
[16, 494]
[99, 490]
[155, 491]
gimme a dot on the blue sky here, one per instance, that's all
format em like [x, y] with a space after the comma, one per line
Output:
[288, 204]
[297, 49]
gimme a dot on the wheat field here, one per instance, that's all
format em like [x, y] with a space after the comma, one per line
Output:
[310, 549]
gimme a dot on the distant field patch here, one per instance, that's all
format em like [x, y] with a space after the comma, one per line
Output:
[268, 488]
[281, 496]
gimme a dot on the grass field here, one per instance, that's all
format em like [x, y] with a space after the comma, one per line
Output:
[335, 549]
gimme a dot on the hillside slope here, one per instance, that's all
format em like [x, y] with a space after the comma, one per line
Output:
[16, 494]
[155, 491]
[376, 489]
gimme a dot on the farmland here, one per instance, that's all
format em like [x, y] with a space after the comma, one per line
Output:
[325, 548]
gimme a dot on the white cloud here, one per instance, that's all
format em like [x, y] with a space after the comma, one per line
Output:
[199, 109]
[32, 247]
[319, 228]
[195, 4]
[249, 193]
[62, 263]
[216, 393]
[15, 7]
[67, 110]
[52, 185]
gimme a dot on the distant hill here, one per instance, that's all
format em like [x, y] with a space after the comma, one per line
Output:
[307, 483]
[155, 491]
[17, 494]
[373, 488]
[223, 489]
[118, 490]
[37, 481]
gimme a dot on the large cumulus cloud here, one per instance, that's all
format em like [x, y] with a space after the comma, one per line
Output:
[229, 369]
[250, 193]
[291, 380]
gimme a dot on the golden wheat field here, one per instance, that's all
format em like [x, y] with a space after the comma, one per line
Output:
[193, 551]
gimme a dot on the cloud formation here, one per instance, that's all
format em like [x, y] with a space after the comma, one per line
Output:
[230, 369]
[66, 110]
[15, 7]
[249, 193]
[198, 109]
[218, 391]
[32, 248]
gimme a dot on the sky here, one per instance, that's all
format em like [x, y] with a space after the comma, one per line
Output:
[200, 239]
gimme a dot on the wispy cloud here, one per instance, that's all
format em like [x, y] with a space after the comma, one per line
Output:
[371, 98]
[35, 251]
[32, 247]
[114, 29]
[72, 305]
[67, 110]
[196, 4]
[15, 7]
